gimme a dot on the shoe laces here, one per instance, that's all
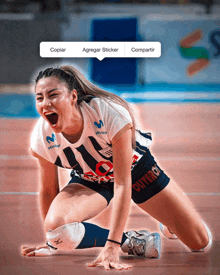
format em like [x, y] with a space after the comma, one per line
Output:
[136, 246]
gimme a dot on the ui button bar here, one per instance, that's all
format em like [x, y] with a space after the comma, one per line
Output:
[100, 50]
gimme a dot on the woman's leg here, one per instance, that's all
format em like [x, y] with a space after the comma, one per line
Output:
[172, 208]
[75, 203]
[67, 230]
[64, 223]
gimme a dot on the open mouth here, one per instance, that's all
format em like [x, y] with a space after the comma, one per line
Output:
[53, 118]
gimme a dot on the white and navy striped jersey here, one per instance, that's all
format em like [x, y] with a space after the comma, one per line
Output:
[91, 156]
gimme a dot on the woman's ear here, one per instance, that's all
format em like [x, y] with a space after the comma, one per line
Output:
[74, 96]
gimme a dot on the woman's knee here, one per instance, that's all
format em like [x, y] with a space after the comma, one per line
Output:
[203, 239]
[52, 222]
[57, 217]
[66, 237]
[199, 242]
[196, 236]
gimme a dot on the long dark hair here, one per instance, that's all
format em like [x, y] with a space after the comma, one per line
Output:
[74, 79]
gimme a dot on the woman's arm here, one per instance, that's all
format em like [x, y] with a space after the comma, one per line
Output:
[48, 189]
[122, 161]
[48, 184]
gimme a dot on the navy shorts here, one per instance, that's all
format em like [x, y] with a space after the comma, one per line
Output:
[147, 180]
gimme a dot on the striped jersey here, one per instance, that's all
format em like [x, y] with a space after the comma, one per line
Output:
[91, 156]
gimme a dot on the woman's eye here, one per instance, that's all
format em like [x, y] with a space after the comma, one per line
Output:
[53, 95]
[39, 98]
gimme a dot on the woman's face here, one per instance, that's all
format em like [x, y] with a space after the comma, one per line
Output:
[55, 103]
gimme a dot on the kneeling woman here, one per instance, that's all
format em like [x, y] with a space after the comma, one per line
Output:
[92, 132]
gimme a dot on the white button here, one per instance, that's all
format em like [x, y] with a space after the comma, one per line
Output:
[143, 49]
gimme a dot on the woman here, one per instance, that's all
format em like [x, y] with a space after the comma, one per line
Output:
[91, 131]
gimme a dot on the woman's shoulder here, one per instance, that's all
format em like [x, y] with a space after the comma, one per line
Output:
[106, 107]
[95, 99]
[96, 103]
[102, 102]
[41, 125]
[41, 129]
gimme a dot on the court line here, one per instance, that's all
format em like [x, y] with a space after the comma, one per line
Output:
[180, 158]
[190, 158]
[202, 194]
[15, 157]
[37, 193]
[19, 193]
[201, 96]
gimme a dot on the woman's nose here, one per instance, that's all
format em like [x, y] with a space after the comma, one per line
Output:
[46, 102]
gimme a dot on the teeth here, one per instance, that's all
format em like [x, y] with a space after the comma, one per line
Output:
[48, 113]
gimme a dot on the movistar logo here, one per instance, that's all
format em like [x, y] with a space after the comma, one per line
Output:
[100, 124]
[54, 146]
[51, 139]
[201, 54]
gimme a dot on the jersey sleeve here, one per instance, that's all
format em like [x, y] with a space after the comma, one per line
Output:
[36, 141]
[118, 120]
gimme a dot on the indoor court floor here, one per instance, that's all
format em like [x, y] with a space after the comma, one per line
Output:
[185, 144]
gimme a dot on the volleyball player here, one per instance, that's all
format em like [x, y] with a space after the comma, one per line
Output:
[93, 132]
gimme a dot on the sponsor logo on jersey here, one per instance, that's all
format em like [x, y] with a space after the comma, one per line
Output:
[54, 146]
[147, 179]
[98, 133]
[106, 152]
[51, 139]
[100, 124]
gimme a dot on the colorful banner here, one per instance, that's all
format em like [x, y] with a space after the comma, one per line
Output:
[190, 51]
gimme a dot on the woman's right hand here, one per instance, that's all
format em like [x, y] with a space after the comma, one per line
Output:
[40, 251]
[109, 258]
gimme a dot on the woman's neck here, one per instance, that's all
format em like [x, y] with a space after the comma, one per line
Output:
[74, 131]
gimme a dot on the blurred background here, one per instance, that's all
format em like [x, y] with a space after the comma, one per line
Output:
[188, 69]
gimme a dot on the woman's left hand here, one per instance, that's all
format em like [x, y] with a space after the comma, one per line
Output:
[109, 257]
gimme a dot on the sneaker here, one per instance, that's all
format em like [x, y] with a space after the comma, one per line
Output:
[167, 232]
[142, 243]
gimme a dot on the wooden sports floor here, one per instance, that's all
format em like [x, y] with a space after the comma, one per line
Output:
[185, 144]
